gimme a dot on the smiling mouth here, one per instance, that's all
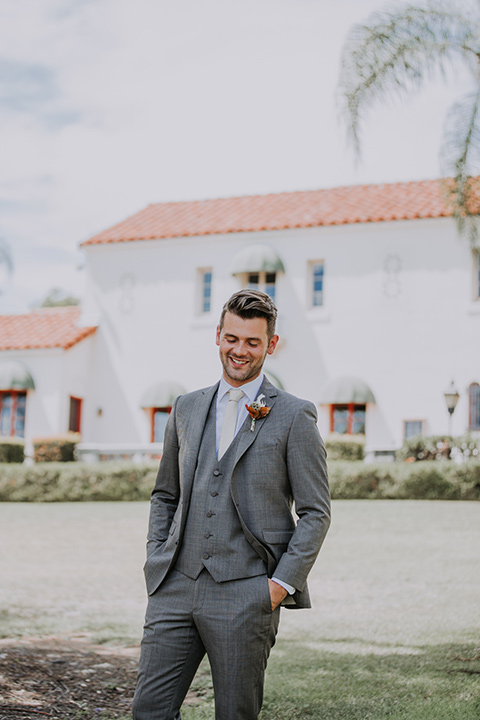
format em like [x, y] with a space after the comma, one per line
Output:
[238, 363]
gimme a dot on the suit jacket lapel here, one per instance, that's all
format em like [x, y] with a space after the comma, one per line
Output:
[246, 437]
[194, 433]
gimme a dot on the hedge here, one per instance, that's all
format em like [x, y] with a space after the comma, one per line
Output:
[122, 480]
[439, 447]
[345, 447]
[429, 480]
[55, 449]
[12, 450]
[73, 482]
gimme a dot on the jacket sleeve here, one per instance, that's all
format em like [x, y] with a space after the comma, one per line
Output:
[166, 492]
[307, 474]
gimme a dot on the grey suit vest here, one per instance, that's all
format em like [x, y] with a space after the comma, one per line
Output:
[213, 536]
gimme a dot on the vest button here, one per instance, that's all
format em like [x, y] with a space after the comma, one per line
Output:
[206, 556]
[209, 514]
[216, 473]
[207, 535]
[214, 493]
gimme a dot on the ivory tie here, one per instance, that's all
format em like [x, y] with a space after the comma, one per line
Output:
[229, 421]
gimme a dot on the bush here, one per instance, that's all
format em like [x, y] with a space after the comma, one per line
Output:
[405, 481]
[59, 482]
[12, 450]
[124, 480]
[345, 447]
[439, 447]
[467, 446]
[55, 449]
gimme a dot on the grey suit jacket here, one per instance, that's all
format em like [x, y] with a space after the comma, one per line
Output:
[279, 465]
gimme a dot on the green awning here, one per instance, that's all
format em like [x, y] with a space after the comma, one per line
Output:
[256, 258]
[161, 394]
[274, 379]
[15, 376]
[346, 389]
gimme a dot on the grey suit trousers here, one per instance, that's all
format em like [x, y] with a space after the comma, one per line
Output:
[231, 621]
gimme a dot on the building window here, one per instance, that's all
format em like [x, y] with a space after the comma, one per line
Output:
[316, 283]
[159, 423]
[12, 413]
[412, 428]
[75, 415]
[205, 290]
[348, 419]
[474, 407]
[264, 281]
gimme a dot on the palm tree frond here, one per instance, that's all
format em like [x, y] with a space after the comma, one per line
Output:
[460, 155]
[5, 255]
[461, 137]
[398, 50]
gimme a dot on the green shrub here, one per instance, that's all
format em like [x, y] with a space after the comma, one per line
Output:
[428, 481]
[345, 447]
[124, 480]
[439, 447]
[12, 450]
[405, 481]
[74, 482]
[55, 449]
[467, 446]
[433, 447]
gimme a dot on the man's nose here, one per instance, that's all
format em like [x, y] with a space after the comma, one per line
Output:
[240, 348]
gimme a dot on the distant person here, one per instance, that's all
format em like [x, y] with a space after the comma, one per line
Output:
[223, 549]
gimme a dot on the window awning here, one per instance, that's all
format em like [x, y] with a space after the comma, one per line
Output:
[15, 376]
[161, 394]
[256, 258]
[274, 379]
[346, 389]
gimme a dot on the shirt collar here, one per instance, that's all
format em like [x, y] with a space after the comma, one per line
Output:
[250, 389]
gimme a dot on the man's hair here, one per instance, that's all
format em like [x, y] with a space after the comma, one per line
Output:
[248, 304]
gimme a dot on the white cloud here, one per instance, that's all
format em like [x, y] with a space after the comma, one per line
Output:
[153, 100]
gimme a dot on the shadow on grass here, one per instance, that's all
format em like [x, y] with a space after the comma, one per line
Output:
[304, 681]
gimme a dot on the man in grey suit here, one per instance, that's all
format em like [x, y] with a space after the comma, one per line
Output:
[224, 550]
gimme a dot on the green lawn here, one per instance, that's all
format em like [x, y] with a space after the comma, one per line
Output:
[394, 631]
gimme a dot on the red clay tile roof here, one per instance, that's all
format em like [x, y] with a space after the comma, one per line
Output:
[311, 208]
[45, 328]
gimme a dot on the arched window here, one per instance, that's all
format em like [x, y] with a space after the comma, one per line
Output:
[474, 407]
[348, 419]
[158, 400]
[159, 423]
[258, 266]
[12, 413]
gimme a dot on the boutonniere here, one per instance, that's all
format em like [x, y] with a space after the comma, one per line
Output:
[257, 410]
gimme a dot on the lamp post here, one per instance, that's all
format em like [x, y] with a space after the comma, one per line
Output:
[451, 398]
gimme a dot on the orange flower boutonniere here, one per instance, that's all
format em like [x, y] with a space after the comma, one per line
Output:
[257, 410]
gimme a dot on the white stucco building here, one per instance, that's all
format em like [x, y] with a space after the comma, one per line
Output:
[379, 310]
[45, 366]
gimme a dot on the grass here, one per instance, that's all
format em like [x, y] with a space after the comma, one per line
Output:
[431, 682]
[394, 631]
[440, 682]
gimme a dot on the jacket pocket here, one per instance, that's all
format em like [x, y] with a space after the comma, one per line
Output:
[277, 537]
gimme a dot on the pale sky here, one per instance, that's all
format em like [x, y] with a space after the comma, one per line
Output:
[109, 105]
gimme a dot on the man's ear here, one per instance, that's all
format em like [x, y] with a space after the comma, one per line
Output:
[217, 339]
[272, 345]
